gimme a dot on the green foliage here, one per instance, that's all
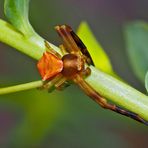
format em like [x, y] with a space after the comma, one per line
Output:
[17, 40]
[17, 13]
[136, 36]
[97, 53]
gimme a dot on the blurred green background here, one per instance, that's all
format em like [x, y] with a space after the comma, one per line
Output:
[69, 118]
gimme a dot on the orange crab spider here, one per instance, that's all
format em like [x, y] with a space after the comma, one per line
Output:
[72, 67]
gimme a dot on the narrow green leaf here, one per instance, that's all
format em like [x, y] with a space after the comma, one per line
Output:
[97, 53]
[17, 13]
[136, 36]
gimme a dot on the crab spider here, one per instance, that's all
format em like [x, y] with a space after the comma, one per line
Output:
[73, 66]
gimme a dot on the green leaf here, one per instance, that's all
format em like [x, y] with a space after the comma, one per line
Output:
[136, 36]
[97, 53]
[146, 81]
[17, 13]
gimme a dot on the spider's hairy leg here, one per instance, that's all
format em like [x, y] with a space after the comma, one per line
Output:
[82, 47]
[73, 43]
[61, 84]
[86, 72]
[49, 48]
[68, 41]
[103, 102]
[50, 83]
[63, 49]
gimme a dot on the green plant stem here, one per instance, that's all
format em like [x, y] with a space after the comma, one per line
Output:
[119, 92]
[33, 46]
[21, 87]
[106, 85]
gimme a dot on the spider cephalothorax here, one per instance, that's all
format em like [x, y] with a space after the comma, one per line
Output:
[73, 66]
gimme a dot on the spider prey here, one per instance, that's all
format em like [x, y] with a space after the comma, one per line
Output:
[73, 67]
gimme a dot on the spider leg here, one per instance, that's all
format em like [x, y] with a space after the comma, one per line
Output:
[103, 102]
[86, 72]
[82, 47]
[73, 43]
[61, 84]
[48, 47]
[49, 84]
[63, 49]
[69, 42]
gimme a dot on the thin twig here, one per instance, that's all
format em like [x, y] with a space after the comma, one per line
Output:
[21, 87]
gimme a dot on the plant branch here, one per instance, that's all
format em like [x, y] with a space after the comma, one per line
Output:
[33, 46]
[21, 87]
[106, 85]
[119, 92]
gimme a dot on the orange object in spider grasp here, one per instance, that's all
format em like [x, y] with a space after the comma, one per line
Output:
[49, 65]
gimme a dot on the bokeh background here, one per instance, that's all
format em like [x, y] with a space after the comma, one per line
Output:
[69, 119]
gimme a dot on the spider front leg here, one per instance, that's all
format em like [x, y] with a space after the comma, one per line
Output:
[86, 72]
[58, 82]
[63, 49]
[62, 84]
[73, 43]
[50, 84]
[103, 102]
[49, 49]
[68, 41]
